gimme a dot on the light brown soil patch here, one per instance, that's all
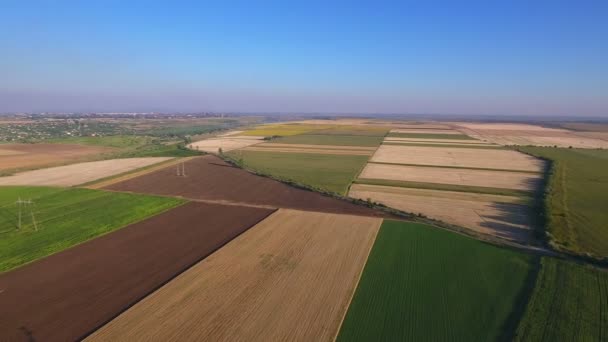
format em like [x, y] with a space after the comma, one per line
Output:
[80, 173]
[492, 179]
[463, 157]
[289, 278]
[332, 147]
[500, 216]
[425, 131]
[438, 141]
[226, 144]
[15, 156]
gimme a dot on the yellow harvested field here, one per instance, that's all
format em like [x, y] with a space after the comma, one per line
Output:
[501, 216]
[80, 173]
[425, 131]
[439, 175]
[226, 144]
[289, 278]
[445, 141]
[462, 157]
[308, 150]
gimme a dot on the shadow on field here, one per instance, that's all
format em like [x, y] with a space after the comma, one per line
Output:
[509, 327]
[510, 221]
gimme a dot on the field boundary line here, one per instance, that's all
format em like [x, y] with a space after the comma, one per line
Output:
[179, 272]
[358, 279]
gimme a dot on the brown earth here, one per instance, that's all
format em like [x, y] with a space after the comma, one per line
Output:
[210, 178]
[68, 295]
[289, 278]
[15, 156]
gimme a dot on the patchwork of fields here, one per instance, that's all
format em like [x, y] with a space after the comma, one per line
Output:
[475, 184]
[17, 156]
[200, 249]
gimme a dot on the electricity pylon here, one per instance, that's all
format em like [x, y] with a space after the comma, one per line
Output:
[22, 205]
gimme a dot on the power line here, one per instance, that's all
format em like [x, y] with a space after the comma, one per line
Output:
[22, 205]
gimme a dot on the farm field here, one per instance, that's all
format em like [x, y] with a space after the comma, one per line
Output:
[75, 174]
[327, 172]
[526, 134]
[577, 198]
[506, 217]
[425, 284]
[23, 156]
[484, 178]
[289, 278]
[330, 139]
[314, 149]
[68, 295]
[227, 143]
[569, 303]
[64, 218]
[211, 179]
[463, 157]
[285, 129]
[424, 135]
[425, 131]
[438, 141]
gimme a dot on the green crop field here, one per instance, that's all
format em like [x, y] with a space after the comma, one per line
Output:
[331, 139]
[431, 136]
[577, 198]
[64, 218]
[117, 141]
[569, 303]
[327, 172]
[426, 284]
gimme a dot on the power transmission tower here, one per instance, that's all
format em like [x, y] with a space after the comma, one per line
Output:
[22, 205]
[181, 170]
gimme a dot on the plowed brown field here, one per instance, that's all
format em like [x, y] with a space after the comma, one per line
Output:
[68, 295]
[289, 278]
[210, 178]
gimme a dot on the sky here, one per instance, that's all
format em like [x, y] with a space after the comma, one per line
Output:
[420, 57]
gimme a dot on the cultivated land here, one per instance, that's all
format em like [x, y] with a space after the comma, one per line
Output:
[506, 217]
[326, 172]
[21, 156]
[424, 135]
[64, 218]
[284, 129]
[485, 178]
[524, 134]
[211, 179]
[225, 143]
[569, 303]
[290, 278]
[437, 141]
[577, 199]
[426, 131]
[80, 173]
[425, 284]
[70, 294]
[463, 157]
[331, 139]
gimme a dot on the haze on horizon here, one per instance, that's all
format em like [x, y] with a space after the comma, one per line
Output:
[516, 57]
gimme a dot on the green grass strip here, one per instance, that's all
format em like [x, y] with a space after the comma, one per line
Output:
[445, 187]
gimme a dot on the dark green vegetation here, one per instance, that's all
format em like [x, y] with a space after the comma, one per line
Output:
[569, 303]
[332, 173]
[431, 136]
[576, 199]
[331, 139]
[64, 218]
[405, 143]
[445, 187]
[426, 284]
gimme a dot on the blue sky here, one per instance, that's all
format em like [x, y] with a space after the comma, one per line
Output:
[452, 57]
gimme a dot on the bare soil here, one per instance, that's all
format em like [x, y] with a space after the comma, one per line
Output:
[289, 278]
[210, 178]
[68, 295]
